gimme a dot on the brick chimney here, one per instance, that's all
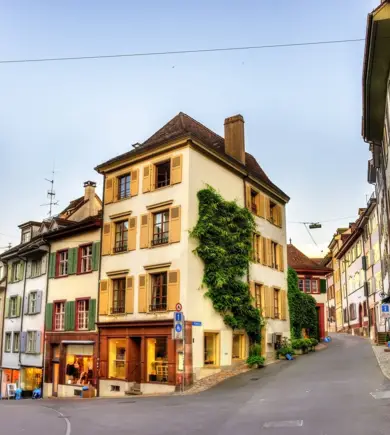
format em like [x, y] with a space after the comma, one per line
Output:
[235, 138]
[89, 195]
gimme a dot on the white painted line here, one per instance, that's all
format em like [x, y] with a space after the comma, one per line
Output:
[285, 423]
[381, 395]
[68, 427]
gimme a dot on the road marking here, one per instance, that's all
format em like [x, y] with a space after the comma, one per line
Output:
[68, 427]
[285, 423]
[381, 395]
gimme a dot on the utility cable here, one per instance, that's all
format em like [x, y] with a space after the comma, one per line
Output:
[166, 53]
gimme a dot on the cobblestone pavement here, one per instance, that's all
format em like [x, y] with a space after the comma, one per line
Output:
[383, 359]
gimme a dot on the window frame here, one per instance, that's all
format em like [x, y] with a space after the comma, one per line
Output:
[62, 313]
[301, 281]
[120, 295]
[38, 270]
[16, 334]
[30, 310]
[26, 233]
[274, 253]
[159, 292]
[62, 263]
[254, 196]
[276, 303]
[8, 342]
[161, 237]
[15, 268]
[13, 300]
[258, 291]
[77, 301]
[81, 257]
[121, 245]
[352, 311]
[168, 179]
[272, 207]
[124, 193]
[32, 334]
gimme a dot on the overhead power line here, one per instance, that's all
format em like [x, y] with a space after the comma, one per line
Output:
[166, 53]
[328, 220]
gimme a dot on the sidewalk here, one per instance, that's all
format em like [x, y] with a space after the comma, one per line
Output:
[383, 359]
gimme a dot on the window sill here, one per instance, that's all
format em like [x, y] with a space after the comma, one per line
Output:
[85, 273]
[37, 276]
[32, 314]
[121, 199]
[61, 276]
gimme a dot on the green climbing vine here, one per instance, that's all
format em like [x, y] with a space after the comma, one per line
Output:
[224, 232]
[302, 307]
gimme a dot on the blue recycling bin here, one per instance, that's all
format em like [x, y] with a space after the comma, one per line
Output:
[18, 394]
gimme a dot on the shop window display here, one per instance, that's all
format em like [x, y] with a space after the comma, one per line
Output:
[157, 353]
[31, 378]
[79, 369]
[117, 358]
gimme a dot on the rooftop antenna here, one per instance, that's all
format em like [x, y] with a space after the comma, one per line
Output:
[51, 194]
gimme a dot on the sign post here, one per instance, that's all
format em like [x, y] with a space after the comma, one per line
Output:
[178, 333]
[385, 311]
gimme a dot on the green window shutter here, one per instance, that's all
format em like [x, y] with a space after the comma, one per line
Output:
[72, 261]
[92, 314]
[49, 317]
[95, 256]
[323, 285]
[6, 314]
[70, 316]
[21, 271]
[9, 272]
[52, 265]
[18, 305]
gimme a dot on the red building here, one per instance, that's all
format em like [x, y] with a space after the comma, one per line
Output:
[312, 280]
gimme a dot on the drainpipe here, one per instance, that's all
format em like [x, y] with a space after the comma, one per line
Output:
[346, 289]
[366, 286]
[44, 317]
[22, 316]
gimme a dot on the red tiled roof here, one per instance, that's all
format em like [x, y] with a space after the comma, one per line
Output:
[182, 126]
[299, 261]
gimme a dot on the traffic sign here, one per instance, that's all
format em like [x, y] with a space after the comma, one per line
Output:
[179, 306]
[178, 316]
[385, 311]
[178, 328]
[196, 323]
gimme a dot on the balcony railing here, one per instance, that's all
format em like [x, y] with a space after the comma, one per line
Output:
[120, 247]
[160, 240]
[160, 306]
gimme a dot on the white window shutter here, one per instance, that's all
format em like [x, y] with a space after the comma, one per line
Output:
[25, 307]
[44, 264]
[38, 342]
[39, 301]
[28, 270]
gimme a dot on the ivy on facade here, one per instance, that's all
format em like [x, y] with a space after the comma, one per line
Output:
[224, 231]
[302, 307]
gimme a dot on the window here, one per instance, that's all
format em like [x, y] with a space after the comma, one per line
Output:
[352, 311]
[16, 343]
[273, 212]
[160, 228]
[238, 346]
[13, 306]
[274, 247]
[59, 316]
[82, 310]
[365, 309]
[159, 292]
[36, 268]
[121, 236]
[300, 284]
[254, 201]
[118, 302]
[256, 248]
[163, 174]
[117, 358]
[124, 186]
[26, 235]
[16, 272]
[85, 258]
[7, 344]
[345, 314]
[344, 291]
[31, 341]
[276, 304]
[314, 286]
[32, 302]
[210, 343]
[307, 285]
[63, 263]
[157, 359]
[258, 295]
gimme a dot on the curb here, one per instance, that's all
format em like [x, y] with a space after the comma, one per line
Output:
[380, 363]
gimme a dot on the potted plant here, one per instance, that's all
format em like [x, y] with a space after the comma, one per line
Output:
[297, 345]
[314, 343]
[255, 359]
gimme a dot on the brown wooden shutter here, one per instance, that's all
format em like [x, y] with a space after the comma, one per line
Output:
[267, 311]
[134, 183]
[257, 202]
[142, 294]
[173, 289]
[109, 190]
[176, 169]
[174, 224]
[103, 297]
[281, 258]
[269, 252]
[280, 216]
[146, 179]
[271, 302]
[283, 304]
[264, 256]
[152, 169]
[266, 207]
[261, 205]
[106, 243]
[129, 294]
[132, 234]
[144, 237]
[248, 196]
[252, 290]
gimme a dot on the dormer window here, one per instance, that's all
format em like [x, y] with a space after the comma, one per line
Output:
[26, 235]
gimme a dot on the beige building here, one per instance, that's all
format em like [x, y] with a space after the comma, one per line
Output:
[148, 264]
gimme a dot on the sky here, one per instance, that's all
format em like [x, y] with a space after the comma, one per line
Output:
[302, 105]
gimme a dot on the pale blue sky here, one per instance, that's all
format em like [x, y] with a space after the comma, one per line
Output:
[302, 105]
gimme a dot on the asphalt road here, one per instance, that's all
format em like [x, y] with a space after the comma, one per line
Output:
[323, 393]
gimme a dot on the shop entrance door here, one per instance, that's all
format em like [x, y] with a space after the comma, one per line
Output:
[135, 359]
[56, 374]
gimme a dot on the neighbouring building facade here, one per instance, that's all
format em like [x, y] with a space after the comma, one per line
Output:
[330, 296]
[376, 124]
[311, 280]
[3, 284]
[71, 304]
[148, 264]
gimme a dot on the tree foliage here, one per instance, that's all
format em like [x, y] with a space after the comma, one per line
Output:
[302, 307]
[224, 232]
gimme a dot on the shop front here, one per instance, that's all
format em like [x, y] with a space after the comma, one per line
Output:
[9, 376]
[30, 379]
[140, 354]
[70, 364]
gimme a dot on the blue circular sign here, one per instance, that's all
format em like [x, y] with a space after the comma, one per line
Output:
[178, 328]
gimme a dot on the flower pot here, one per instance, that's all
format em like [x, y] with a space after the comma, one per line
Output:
[298, 351]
